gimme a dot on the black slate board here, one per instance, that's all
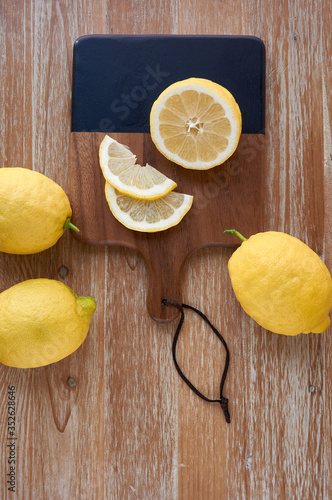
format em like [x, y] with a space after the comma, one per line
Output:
[117, 78]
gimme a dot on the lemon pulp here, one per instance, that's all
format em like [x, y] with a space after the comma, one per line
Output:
[196, 123]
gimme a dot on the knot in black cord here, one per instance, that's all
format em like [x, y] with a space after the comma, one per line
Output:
[224, 406]
[222, 401]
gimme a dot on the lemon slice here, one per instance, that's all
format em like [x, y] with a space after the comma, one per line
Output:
[196, 123]
[148, 215]
[119, 168]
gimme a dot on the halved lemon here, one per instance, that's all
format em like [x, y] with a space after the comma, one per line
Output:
[148, 215]
[119, 168]
[196, 123]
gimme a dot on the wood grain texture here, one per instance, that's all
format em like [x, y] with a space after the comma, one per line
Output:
[131, 429]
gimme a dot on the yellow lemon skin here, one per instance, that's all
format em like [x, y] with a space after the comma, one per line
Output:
[282, 284]
[41, 322]
[33, 211]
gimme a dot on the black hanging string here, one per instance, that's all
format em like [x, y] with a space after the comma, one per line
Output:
[222, 401]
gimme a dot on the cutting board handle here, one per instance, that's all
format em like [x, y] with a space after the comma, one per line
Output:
[163, 285]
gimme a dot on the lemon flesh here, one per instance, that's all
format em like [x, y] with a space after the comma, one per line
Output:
[148, 215]
[282, 284]
[41, 322]
[33, 211]
[120, 169]
[196, 123]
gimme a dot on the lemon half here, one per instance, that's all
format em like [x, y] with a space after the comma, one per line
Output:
[196, 123]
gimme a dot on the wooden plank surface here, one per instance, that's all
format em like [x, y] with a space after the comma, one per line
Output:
[130, 428]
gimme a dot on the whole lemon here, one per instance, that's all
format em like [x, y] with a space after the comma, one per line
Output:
[41, 322]
[281, 283]
[34, 211]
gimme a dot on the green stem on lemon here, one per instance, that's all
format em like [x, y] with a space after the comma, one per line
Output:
[88, 304]
[70, 225]
[233, 231]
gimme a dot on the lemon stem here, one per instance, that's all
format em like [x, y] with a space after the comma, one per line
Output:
[233, 231]
[70, 225]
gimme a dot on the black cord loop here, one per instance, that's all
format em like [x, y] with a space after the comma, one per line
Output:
[222, 401]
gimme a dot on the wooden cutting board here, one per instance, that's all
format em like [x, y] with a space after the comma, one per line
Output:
[225, 197]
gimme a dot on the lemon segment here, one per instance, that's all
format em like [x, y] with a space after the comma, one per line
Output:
[282, 284]
[119, 168]
[42, 321]
[196, 123]
[148, 215]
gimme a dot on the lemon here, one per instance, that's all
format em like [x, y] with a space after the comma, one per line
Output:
[282, 283]
[196, 123]
[41, 322]
[34, 211]
[141, 198]
[148, 215]
[119, 168]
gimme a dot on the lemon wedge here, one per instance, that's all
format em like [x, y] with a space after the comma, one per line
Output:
[119, 168]
[196, 123]
[148, 215]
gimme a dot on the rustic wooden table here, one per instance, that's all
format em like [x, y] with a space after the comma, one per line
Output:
[130, 428]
